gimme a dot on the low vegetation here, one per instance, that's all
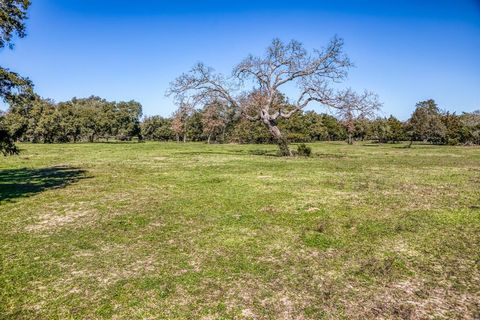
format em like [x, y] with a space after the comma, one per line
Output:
[177, 231]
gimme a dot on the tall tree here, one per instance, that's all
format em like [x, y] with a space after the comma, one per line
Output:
[262, 79]
[12, 16]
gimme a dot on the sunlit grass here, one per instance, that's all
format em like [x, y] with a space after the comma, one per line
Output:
[167, 230]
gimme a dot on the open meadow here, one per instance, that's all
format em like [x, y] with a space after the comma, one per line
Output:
[195, 231]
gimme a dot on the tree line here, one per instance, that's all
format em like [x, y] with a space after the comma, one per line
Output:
[33, 119]
[37, 120]
[224, 124]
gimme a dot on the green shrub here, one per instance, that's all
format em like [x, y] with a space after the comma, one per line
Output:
[453, 142]
[304, 150]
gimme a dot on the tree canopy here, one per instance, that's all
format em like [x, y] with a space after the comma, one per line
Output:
[12, 22]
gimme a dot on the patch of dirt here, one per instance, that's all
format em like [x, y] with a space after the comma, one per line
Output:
[412, 299]
[54, 220]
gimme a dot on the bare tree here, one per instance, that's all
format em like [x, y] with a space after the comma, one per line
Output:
[352, 106]
[213, 119]
[257, 83]
[180, 119]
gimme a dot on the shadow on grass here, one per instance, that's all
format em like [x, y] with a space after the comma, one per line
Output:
[16, 183]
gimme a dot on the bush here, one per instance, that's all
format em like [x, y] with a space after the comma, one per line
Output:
[453, 142]
[304, 150]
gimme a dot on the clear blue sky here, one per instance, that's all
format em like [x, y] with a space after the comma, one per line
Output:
[406, 51]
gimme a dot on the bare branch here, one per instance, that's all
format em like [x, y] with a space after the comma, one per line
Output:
[201, 85]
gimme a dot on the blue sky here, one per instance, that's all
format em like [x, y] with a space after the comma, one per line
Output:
[406, 51]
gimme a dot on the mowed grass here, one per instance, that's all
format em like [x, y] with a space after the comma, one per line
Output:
[196, 231]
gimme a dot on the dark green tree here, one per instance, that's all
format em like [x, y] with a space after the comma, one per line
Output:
[12, 16]
[396, 130]
[194, 127]
[471, 123]
[316, 129]
[426, 123]
[157, 128]
[379, 130]
[7, 145]
[455, 132]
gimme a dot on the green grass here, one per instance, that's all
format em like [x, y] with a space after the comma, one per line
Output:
[190, 231]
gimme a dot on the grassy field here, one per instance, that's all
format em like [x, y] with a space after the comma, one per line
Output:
[190, 231]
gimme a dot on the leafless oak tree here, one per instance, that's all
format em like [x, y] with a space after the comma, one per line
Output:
[257, 83]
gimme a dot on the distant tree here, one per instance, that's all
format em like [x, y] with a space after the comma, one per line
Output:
[71, 127]
[283, 64]
[471, 123]
[380, 130]
[179, 121]
[454, 128]
[315, 127]
[396, 130]
[90, 117]
[426, 124]
[194, 126]
[49, 124]
[353, 106]
[335, 130]
[34, 110]
[362, 128]
[157, 128]
[127, 123]
[111, 121]
[12, 16]
[296, 128]
[246, 131]
[387, 130]
[214, 119]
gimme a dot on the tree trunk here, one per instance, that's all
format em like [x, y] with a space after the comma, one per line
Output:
[350, 139]
[184, 138]
[208, 140]
[279, 138]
